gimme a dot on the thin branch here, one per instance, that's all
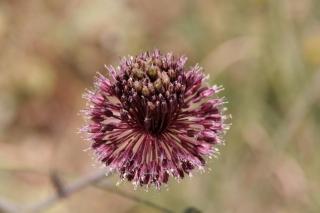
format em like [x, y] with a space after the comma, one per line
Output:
[107, 187]
[92, 179]
[69, 189]
[58, 184]
[8, 206]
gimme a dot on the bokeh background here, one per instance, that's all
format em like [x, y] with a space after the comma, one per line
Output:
[266, 53]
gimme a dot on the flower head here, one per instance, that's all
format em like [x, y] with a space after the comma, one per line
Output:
[145, 124]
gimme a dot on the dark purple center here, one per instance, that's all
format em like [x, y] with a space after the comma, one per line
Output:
[151, 90]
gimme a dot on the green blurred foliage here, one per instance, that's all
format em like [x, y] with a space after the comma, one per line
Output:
[266, 53]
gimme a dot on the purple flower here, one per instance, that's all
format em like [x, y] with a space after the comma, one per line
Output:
[145, 121]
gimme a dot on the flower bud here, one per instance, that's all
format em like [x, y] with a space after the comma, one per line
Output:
[145, 92]
[157, 85]
[152, 72]
[171, 74]
[151, 88]
[165, 78]
[98, 99]
[137, 86]
[137, 73]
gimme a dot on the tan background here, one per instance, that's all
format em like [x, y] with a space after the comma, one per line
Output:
[265, 52]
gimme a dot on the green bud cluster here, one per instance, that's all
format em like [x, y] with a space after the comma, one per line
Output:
[151, 76]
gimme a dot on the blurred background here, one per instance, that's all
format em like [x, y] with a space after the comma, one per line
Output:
[266, 53]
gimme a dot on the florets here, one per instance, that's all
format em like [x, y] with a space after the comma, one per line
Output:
[145, 125]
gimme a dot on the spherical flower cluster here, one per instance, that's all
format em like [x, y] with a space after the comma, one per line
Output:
[146, 125]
